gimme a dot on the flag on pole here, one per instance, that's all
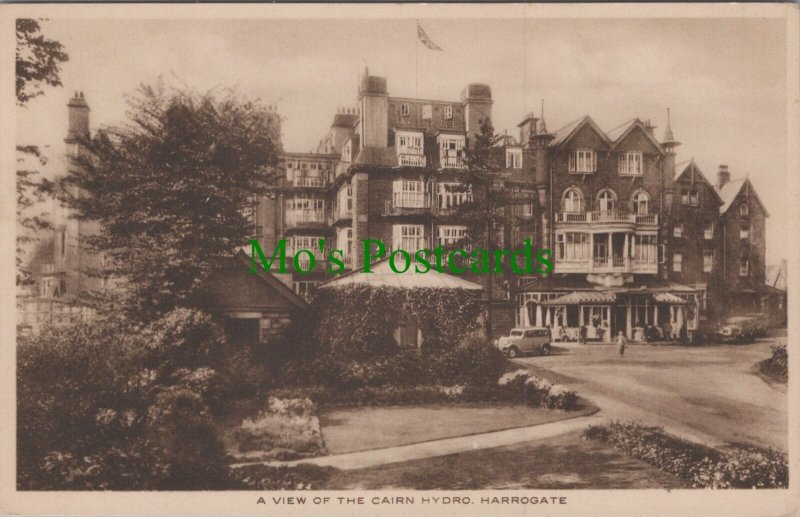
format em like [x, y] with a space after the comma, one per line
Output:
[423, 37]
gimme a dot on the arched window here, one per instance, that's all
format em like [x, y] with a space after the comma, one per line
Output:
[641, 202]
[606, 200]
[572, 200]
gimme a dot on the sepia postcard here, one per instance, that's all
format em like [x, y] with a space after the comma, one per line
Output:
[400, 259]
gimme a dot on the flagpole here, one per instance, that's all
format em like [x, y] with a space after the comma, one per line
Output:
[416, 62]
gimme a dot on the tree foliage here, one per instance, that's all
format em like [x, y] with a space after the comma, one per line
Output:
[38, 61]
[173, 189]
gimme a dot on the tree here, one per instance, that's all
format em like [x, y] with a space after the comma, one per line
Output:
[37, 64]
[38, 61]
[171, 190]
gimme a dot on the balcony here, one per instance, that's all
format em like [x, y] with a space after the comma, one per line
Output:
[406, 203]
[309, 182]
[451, 162]
[606, 216]
[411, 160]
[342, 213]
[300, 218]
[605, 265]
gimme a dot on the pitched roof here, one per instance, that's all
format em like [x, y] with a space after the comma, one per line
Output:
[730, 191]
[383, 276]
[618, 134]
[694, 171]
[376, 156]
[564, 134]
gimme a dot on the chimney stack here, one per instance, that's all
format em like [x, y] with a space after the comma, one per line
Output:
[78, 111]
[723, 176]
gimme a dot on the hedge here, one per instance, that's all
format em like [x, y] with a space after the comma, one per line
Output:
[704, 467]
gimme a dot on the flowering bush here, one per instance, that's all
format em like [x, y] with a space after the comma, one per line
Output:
[301, 477]
[287, 428]
[538, 392]
[474, 362]
[704, 467]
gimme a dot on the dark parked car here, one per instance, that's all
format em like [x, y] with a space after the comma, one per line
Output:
[760, 323]
[738, 329]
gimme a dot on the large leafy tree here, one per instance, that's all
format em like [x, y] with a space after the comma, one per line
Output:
[172, 189]
[38, 64]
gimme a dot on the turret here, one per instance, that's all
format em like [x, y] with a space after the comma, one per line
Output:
[477, 100]
[373, 101]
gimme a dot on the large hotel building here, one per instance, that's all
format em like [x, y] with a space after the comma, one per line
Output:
[636, 241]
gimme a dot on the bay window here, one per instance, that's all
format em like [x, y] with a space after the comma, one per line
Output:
[408, 237]
[408, 194]
[582, 161]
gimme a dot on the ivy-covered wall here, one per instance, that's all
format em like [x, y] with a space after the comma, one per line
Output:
[360, 319]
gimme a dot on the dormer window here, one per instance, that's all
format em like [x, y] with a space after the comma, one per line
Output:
[405, 109]
[513, 158]
[630, 164]
[582, 161]
[448, 113]
[744, 209]
[409, 149]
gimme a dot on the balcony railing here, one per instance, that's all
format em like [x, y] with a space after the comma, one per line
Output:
[407, 203]
[605, 265]
[606, 216]
[298, 217]
[411, 160]
[451, 162]
[309, 181]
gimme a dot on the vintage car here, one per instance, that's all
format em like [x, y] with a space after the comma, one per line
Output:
[525, 341]
[760, 323]
[739, 329]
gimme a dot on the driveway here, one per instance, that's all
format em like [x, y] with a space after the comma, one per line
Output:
[711, 394]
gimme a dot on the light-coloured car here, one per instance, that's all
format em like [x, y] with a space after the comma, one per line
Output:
[525, 341]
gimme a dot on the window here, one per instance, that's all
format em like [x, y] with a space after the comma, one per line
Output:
[409, 143]
[744, 209]
[744, 232]
[677, 231]
[448, 113]
[409, 237]
[744, 266]
[450, 195]
[708, 261]
[427, 112]
[582, 160]
[685, 196]
[641, 203]
[513, 158]
[708, 231]
[572, 246]
[345, 200]
[694, 197]
[573, 200]
[607, 200]
[451, 151]
[645, 248]
[344, 242]
[305, 289]
[449, 235]
[405, 109]
[677, 262]
[301, 203]
[409, 194]
[630, 164]
[63, 242]
[527, 208]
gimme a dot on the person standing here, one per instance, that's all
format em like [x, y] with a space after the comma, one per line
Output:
[621, 343]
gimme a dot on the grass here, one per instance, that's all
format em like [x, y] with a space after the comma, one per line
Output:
[564, 462]
[358, 429]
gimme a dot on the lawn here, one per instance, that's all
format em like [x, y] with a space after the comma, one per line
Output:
[365, 428]
[565, 462]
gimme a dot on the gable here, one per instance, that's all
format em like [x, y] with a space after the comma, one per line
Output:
[586, 137]
[692, 175]
[636, 138]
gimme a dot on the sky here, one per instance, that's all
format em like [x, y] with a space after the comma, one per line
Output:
[723, 79]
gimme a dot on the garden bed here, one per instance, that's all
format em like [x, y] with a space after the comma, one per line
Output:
[702, 466]
[776, 367]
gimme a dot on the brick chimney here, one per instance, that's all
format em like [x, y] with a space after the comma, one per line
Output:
[723, 176]
[78, 118]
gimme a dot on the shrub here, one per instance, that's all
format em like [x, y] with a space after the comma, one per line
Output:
[301, 477]
[704, 467]
[474, 362]
[287, 427]
[536, 391]
[777, 365]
